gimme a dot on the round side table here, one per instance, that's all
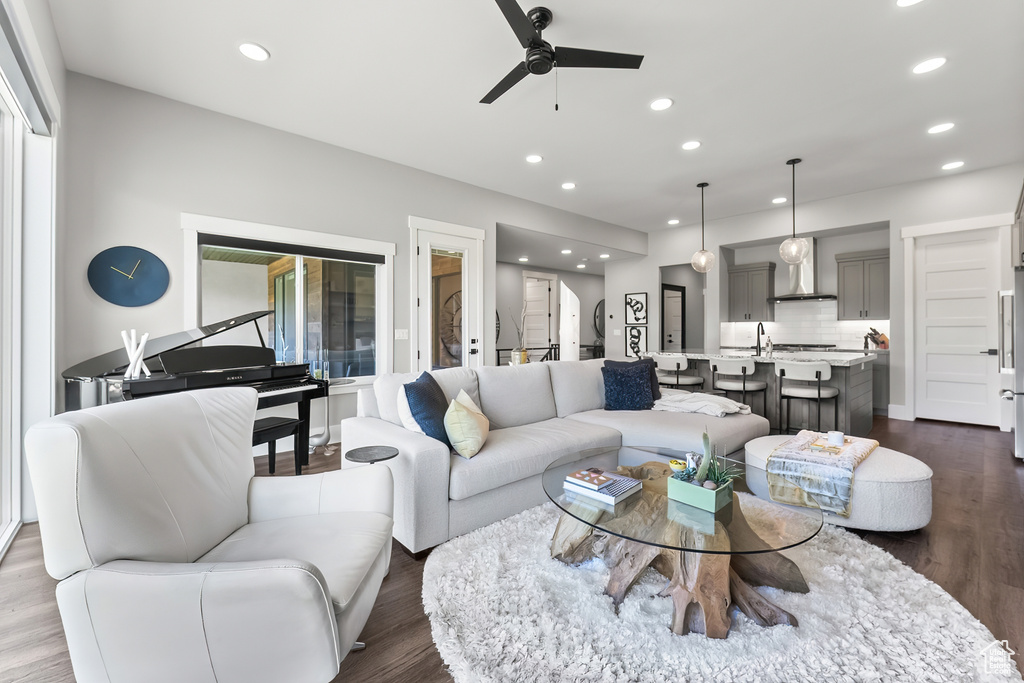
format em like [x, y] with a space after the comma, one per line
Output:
[371, 454]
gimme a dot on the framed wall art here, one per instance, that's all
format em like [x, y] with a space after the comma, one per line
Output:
[636, 308]
[636, 340]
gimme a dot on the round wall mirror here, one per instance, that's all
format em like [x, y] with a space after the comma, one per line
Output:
[599, 319]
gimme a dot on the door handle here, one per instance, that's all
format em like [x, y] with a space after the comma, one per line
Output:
[990, 352]
[1007, 395]
[473, 352]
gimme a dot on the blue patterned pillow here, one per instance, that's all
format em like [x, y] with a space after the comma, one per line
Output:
[627, 388]
[649, 362]
[428, 404]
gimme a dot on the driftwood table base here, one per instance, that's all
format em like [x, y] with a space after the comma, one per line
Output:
[703, 582]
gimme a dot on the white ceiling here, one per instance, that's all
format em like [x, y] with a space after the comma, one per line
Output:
[757, 82]
[544, 251]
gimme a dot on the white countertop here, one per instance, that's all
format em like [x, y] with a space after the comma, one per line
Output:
[835, 359]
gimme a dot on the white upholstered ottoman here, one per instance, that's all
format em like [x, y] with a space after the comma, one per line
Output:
[892, 491]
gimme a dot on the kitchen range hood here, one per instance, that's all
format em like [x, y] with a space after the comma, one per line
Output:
[803, 279]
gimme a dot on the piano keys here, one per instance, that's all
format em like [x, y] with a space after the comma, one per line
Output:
[177, 365]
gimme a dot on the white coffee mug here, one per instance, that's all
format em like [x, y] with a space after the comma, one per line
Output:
[835, 438]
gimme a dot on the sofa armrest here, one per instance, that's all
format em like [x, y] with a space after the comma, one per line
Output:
[421, 478]
[365, 489]
[155, 621]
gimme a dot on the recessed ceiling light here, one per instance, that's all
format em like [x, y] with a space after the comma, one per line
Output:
[606, 255]
[779, 200]
[661, 104]
[929, 65]
[567, 251]
[581, 265]
[906, 3]
[692, 144]
[523, 259]
[952, 165]
[255, 52]
[941, 128]
[568, 186]
[535, 158]
[673, 221]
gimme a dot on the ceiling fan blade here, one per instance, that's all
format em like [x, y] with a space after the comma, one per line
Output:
[571, 57]
[514, 76]
[520, 23]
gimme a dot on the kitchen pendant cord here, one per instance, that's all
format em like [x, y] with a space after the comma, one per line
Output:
[793, 163]
[702, 186]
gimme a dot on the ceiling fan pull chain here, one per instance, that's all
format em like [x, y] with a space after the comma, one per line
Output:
[556, 87]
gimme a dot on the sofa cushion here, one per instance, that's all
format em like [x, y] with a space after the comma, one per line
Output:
[577, 385]
[342, 545]
[627, 388]
[678, 431]
[514, 395]
[466, 425]
[422, 405]
[385, 388]
[519, 452]
[454, 380]
[649, 363]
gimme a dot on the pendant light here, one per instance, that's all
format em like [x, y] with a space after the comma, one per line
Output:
[794, 249]
[703, 260]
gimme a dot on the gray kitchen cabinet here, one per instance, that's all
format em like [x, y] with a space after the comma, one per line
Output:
[880, 384]
[863, 285]
[750, 287]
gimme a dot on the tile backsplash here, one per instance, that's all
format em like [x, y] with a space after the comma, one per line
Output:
[805, 322]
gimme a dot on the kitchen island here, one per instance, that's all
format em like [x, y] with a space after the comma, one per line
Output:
[851, 375]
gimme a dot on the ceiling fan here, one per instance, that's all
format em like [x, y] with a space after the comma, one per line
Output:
[541, 57]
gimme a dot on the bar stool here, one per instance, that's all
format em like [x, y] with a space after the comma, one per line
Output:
[730, 374]
[815, 371]
[670, 372]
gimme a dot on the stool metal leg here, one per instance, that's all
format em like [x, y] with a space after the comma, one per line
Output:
[272, 455]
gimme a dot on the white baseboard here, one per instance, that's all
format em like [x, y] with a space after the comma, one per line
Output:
[898, 412]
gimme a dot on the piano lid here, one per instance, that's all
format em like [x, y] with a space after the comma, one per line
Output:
[115, 362]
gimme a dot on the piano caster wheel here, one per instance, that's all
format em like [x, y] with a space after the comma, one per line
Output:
[358, 646]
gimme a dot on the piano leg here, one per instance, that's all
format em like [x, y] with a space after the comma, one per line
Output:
[302, 437]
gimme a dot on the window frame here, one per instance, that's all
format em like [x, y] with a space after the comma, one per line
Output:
[193, 225]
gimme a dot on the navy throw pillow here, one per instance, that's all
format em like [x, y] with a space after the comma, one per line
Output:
[655, 391]
[627, 388]
[428, 404]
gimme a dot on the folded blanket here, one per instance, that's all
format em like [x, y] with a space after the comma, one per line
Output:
[706, 404]
[801, 475]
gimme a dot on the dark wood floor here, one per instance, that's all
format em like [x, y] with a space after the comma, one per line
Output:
[973, 548]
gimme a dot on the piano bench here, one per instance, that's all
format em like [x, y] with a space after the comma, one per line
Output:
[269, 429]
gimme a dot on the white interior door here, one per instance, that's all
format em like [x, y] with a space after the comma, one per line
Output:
[537, 296]
[956, 307]
[568, 324]
[449, 291]
[672, 319]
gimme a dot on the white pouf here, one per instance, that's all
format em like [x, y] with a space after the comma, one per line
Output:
[892, 491]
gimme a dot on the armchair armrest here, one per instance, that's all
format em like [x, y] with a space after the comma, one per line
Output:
[237, 621]
[364, 489]
[421, 478]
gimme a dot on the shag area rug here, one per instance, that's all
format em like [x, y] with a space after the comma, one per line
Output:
[502, 610]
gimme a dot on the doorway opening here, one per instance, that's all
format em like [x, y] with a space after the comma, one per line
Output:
[673, 318]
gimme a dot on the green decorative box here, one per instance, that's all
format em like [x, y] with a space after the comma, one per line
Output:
[698, 496]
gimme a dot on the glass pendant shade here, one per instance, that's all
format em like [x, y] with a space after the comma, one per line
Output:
[703, 261]
[793, 250]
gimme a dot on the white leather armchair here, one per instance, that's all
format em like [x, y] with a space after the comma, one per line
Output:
[176, 564]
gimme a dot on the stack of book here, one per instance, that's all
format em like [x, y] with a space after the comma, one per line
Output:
[606, 487]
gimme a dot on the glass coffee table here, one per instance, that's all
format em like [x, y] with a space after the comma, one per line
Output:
[711, 560]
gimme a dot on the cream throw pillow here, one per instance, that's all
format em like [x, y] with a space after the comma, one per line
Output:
[466, 425]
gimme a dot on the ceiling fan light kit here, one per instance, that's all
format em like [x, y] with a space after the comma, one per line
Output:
[703, 260]
[541, 57]
[794, 249]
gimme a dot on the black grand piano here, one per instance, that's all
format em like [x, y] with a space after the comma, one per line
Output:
[177, 365]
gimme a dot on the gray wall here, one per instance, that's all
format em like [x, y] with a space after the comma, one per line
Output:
[947, 198]
[136, 161]
[508, 280]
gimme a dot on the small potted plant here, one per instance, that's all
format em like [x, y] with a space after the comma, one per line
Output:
[707, 485]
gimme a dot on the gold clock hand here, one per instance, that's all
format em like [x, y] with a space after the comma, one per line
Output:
[133, 269]
[122, 272]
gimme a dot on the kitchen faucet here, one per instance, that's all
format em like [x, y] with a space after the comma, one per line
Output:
[760, 331]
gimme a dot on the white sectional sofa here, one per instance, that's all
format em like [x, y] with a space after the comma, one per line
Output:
[539, 412]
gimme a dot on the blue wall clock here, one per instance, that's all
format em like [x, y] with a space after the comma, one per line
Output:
[128, 276]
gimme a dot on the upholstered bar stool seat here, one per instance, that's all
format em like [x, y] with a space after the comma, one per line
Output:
[807, 391]
[670, 372]
[732, 374]
[892, 491]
